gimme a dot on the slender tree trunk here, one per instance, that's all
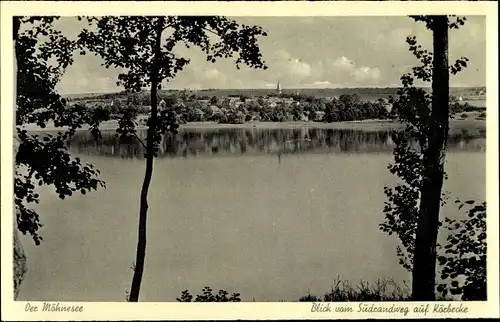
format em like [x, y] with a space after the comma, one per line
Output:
[424, 265]
[143, 213]
[20, 262]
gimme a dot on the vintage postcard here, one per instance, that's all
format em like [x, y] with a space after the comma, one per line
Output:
[260, 160]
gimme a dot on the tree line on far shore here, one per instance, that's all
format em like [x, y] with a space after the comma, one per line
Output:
[282, 108]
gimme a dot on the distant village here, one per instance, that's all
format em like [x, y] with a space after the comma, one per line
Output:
[236, 109]
[276, 106]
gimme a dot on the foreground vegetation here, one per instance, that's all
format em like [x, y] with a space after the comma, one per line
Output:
[341, 291]
[380, 290]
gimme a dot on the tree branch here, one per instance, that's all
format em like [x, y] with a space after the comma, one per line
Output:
[140, 141]
[210, 30]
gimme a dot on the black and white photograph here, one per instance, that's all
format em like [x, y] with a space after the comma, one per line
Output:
[321, 159]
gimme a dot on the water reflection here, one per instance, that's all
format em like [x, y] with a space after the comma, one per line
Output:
[255, 141]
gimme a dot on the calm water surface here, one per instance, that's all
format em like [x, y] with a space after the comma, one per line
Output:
[271, 214]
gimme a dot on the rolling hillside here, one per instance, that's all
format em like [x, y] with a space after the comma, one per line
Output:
[368, 93]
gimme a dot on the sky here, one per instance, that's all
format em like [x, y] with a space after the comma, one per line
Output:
[305, 52]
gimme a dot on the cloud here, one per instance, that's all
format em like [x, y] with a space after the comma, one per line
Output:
[212, 77]
[344, 70]
[85, 78]
[343, 63]
[213, 73]
[290, 68]
[367, 74]
[282, 55]
[306, 51]
[322, 83]
[299, 69]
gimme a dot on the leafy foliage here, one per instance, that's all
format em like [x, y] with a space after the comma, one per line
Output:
[413, 106]
[402, 207]
[36, 42]
[208, 296]
[463, 265]
[42, 54]
[465, 248]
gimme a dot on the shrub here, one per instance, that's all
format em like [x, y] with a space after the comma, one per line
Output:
[380, 290]
[458, 107]
[309, 298]
[463, 266]
[207, 296]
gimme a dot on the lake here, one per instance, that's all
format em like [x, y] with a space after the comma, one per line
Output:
[269, 213]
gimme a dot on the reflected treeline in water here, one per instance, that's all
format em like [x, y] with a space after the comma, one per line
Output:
[258, 141]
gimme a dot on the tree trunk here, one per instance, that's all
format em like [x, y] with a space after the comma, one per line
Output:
[424, 262]
[20, 262]
[143, 213]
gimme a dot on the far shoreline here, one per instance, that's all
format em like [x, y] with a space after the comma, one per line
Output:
[365, 125]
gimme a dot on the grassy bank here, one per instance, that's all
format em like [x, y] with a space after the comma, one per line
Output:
[340, 291]
[380, 290]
